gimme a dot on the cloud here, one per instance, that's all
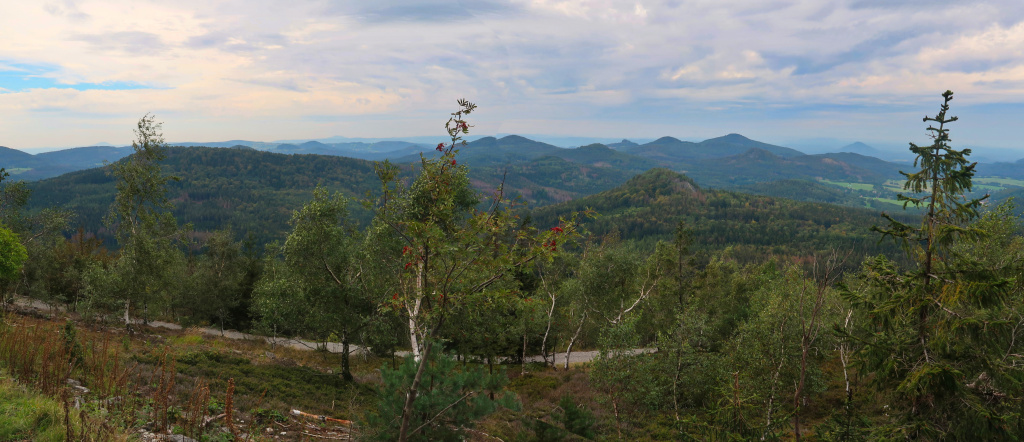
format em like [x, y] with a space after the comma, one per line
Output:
[281, 69]
[129, 42]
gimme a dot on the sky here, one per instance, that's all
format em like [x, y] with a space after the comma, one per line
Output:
[812, 72]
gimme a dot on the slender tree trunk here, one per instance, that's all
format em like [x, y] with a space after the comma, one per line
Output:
[411, 395]
[127, 317]
[800, 388]
[568, 350]
[414, 312]
[346, 371]
[524, 354]
[544, 342]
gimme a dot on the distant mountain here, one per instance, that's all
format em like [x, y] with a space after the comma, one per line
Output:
[12, 158]
[86, 157]
[739, 143]
[367, 151]
[1006, 170]
[25, 166]
[672, 150]
[259, 145]
[624, 144]
[862, 149]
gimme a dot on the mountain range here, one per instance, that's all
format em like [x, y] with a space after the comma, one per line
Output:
[538, 172]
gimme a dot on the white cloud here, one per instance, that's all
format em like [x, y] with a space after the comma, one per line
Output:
[329, 67]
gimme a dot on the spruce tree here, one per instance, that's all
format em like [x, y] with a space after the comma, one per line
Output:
[936, 344]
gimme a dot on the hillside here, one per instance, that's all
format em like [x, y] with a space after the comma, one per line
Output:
[251, 191]
[85, 157]
[760, 166]
[649, 206]
[255, 192]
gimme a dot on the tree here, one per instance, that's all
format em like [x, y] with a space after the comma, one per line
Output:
[38, 233]
[217, 283]
[315, 290]
[453, 255]
[451, 400]
[12, 255]
[141, 218]
[939, 341]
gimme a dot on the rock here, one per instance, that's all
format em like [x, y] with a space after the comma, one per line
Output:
[176, 438]
[270, 355]
[74, 383]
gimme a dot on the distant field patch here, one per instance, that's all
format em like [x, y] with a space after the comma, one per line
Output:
[16, 170]
[885, 200]
[854, 186]
[1003, 182]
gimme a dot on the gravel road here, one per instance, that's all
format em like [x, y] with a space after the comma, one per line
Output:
[334, 347]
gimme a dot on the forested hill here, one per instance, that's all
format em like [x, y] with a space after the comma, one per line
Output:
[255, 192]
[251, 191]
[650, 206]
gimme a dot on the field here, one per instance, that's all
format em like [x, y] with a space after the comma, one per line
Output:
[847, 185]
[17, 170]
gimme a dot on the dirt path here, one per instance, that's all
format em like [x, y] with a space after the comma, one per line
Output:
[300, 344]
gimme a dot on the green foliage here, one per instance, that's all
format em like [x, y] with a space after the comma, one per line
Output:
[12, 255]
[72, 345]
[314, 291]
[145, 227]
[220, 282]
[576, 418]
[450, 399]
[36, 233]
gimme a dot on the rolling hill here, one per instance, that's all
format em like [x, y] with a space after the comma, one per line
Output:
[649, 207]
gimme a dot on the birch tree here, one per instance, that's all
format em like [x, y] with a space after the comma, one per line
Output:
[141, 218]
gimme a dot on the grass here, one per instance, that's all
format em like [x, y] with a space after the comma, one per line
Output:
[25, 415]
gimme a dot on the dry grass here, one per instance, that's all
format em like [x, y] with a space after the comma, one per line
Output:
[178, 381]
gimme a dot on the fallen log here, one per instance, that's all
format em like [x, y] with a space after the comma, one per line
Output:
[321, 417]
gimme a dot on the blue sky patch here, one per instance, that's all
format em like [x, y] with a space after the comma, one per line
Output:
[17, 77]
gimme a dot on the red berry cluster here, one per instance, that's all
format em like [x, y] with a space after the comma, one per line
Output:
[553, 244]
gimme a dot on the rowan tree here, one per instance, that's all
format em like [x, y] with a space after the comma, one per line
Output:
[454, 255]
